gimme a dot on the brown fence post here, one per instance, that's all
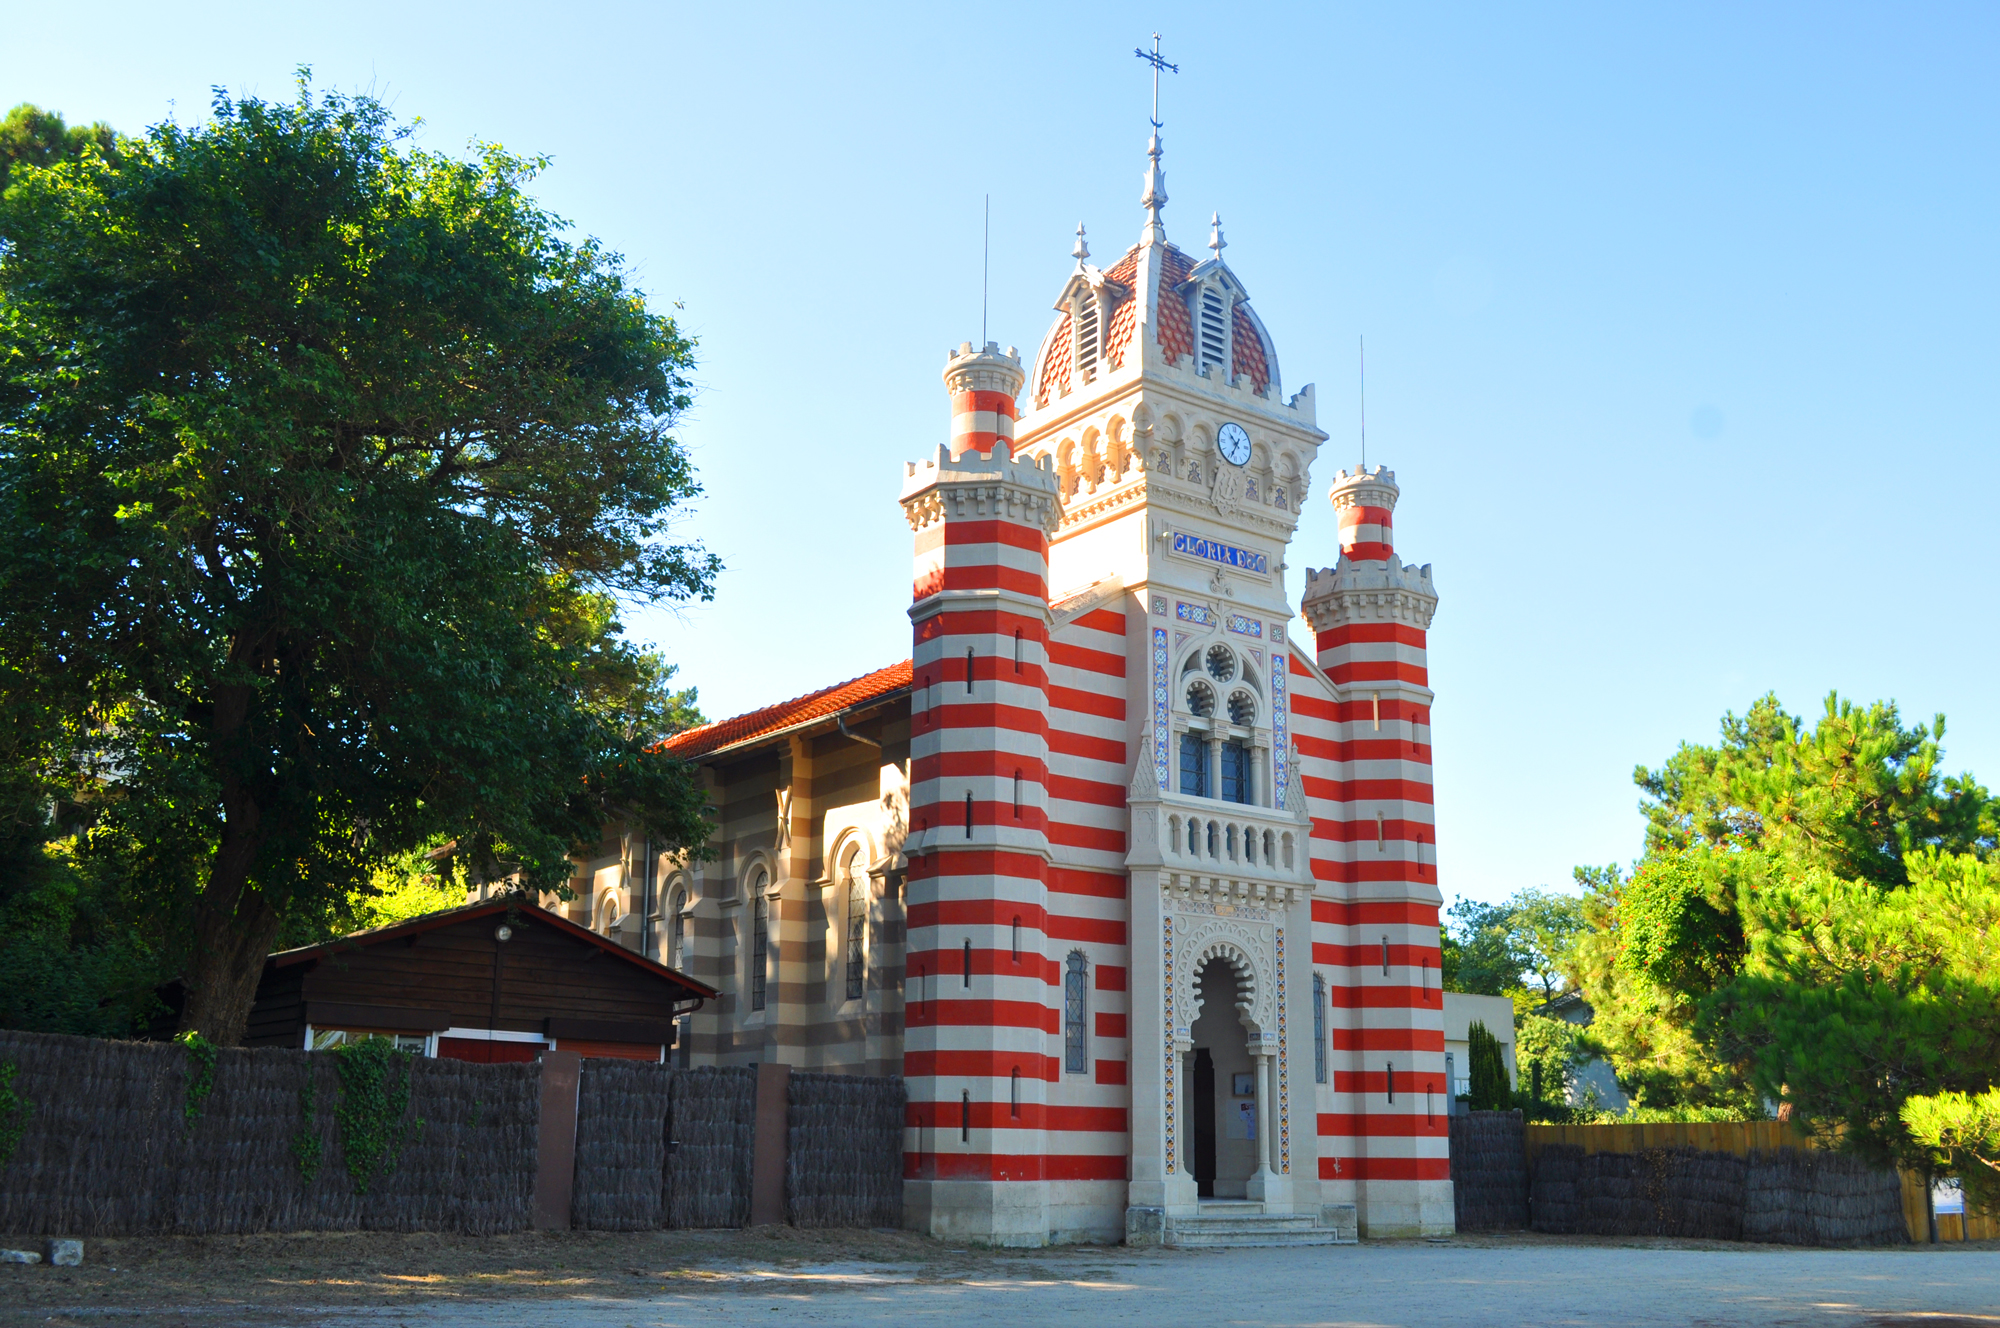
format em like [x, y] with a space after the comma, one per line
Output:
[767, 1167]
[555, 1143]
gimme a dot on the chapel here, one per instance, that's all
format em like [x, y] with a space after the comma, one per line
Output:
[1126, 863]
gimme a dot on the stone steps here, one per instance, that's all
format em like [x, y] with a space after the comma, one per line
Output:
[1245, 1223]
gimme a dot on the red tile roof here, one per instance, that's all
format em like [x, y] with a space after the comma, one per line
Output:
[1176, 334]
[822, 704]
[1054, 378]
[1246, 352]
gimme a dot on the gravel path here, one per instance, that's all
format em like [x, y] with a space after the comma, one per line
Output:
[1471, 1283]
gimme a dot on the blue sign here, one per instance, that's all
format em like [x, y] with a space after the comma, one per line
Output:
[1217, 552]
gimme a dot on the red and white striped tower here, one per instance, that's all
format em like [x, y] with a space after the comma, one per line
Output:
[1370, 614]
[977, 1022]
[983, 385]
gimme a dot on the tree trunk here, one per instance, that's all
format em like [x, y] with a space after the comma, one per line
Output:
[230, 946]
[234, 924]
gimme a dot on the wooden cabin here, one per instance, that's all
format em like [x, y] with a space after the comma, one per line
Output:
[498, 980]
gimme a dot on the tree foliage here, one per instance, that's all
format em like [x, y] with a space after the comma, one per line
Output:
[1856, 996]
[1961, 1131]
[31, 136]
[1523, 941]
[323, 462]
[1807, 926]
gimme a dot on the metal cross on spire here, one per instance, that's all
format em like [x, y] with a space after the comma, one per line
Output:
[1152, 58]
[1155, 196]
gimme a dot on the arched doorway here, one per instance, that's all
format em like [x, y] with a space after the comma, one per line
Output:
[1224, 1153]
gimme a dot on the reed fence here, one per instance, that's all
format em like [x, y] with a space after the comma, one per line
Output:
[714, 1120]
[113, 1144]
[623, 1167]
[116, 1138]
[1489, 1169]
[844, 1151]
[1792, 1191]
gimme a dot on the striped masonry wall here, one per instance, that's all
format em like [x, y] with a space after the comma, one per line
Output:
[1087, 1125]
[1362, 725]
[981, 988]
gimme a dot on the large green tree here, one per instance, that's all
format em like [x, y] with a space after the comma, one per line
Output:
[321, 459]
[1689, 932]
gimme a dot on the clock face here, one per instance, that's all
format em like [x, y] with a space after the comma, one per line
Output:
[1233, 443]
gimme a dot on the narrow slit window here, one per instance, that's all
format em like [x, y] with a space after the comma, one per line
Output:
[1017, 795]
[1076, 991]
[1375, 704]
[965, 1116]
[1017, 940]
[1385, 956]
[1014, 1094]
[1381, 831]
[968, 673]
[760, 944]
[968, 813]
[1017, 650]
[1319, 1028]
[1390, 1080]
[968, 963]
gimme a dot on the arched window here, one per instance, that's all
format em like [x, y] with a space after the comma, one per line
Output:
[1319, 1028]
[1194, 765]
[677, 930]
[1076, 1009]
[857, 926]
[1014, 1094]
[760, 942]
[1017, 795]
[1236, 771]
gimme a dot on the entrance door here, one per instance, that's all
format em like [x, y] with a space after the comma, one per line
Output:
[1203, 1104]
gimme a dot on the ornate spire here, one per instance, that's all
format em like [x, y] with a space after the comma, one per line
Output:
[1155, 196]
[1082, 250]
[1216, 243]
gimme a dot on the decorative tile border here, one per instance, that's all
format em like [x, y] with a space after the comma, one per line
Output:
[1245, 626]
[1281, 739]
[1195, 613]
[1284, 1084]
[1160, 703]
[1167, 1022]
[1159, 606]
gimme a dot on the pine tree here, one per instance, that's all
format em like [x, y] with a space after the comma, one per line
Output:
[1490, 1089]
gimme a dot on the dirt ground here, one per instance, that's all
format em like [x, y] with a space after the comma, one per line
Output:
[893, 1277]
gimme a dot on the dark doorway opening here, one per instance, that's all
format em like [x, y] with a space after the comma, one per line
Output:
[1203, 1105]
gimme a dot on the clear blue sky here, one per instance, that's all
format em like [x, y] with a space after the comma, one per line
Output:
[1681, 319]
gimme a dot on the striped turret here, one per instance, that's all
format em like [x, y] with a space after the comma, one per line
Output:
[1365, 503]
[983, 385]
[1378, 936]
[981, 998]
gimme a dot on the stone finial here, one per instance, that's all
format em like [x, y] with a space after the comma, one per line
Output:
[1082, 249]
[1215, 241]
